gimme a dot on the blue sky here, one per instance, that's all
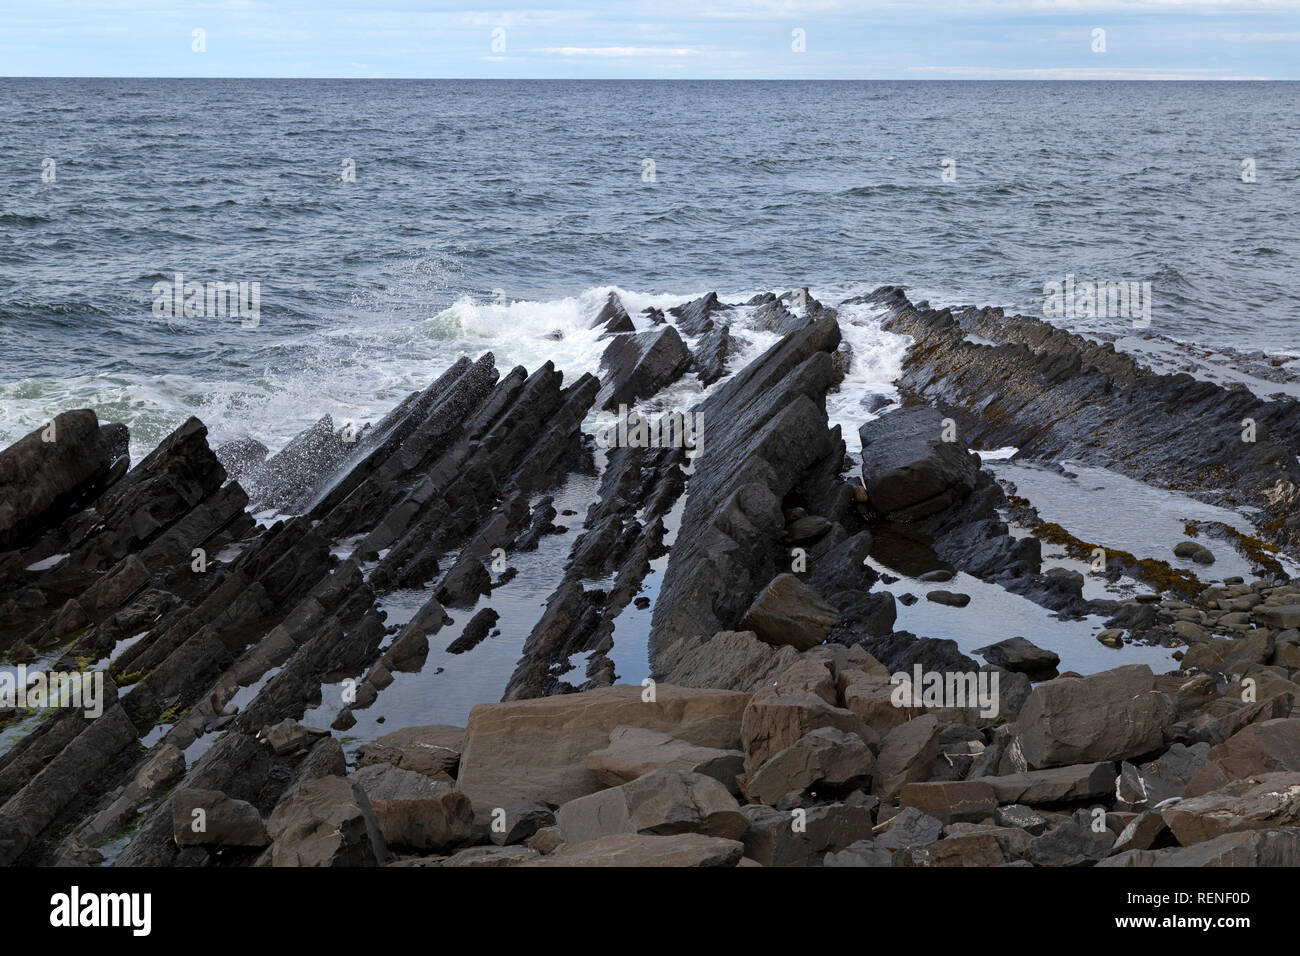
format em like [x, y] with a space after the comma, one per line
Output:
[742, 39]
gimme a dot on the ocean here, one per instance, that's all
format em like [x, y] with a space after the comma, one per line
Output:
[391, 226]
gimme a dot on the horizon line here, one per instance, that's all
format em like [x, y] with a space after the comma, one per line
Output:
[680, 79]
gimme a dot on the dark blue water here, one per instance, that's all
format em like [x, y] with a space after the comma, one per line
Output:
[534, 192]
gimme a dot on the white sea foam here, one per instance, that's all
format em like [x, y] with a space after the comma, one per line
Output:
[359, 371]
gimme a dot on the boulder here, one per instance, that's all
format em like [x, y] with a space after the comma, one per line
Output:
[634, 850]
[906, 755]
[1113, 715]
[862, 853]
[775, 720]
[823, 758]
[729, 660]
[788, 611]
[613, 317]
[210, 818]
[637, 366]
[1278, 617]
[326, 822]
[40, 480]
[695, 317]
[871, 697]
[910, 828]
[800, 837]
[635, 751]
[538, 749]
[1268, 747]
[661, 802]
[1070, 844]
[1195, 551]
[433, 750]
[1019, 655]
[1267, 801]
[909, 471]
[477, 856]
[520, 823]
[1254, 848]
[414, 810]
[970, 849]
[1056, 785]
[951, 802]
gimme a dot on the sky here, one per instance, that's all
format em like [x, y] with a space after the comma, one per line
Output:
[670, 39]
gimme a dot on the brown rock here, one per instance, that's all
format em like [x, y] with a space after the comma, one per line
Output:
[537, 749]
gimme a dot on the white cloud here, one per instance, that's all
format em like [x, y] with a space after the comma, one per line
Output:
[617, 51]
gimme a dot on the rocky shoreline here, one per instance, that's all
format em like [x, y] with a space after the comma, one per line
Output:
[224, 591]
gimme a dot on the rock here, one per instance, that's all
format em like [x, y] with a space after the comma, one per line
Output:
[491, 855]
[210, 818]
[1168, 775]
[775, 719]
[950, 598]
[937, 577]
[972, 849]
[635, 751]
[901, 652]
[953, 802]
[1254, 848]
[1070, 844]
[520, 822]
[1019, 655]
[1279, 617]
[871, 697]
[1217, 731]
[290, 737]
[1268, 747]
[164, 767]
[729, 660]
[1146, 831]
[823, 758]
[537, 749]
[433, 750]
[906, 755]
[907, 468]
[41, 481]
[1111, 637]
[711, 353]
[800, 837]
[476, 630]
[241, 456]
[862, 853]
[1056, 785]
[1113, 715]
[546, 840]
[1019, 815]
[1189, 632]
[695, 317]
[286, 480]
[326, 822]
[787, 611]
[910, 829]
[613, 318]
[1192, 549]
[1266, 801]
[807, 528]
[628, 850]
[637, 366]
[662, 802]
[414, 810]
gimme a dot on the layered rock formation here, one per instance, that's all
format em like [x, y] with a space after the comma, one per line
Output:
[772, 730]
